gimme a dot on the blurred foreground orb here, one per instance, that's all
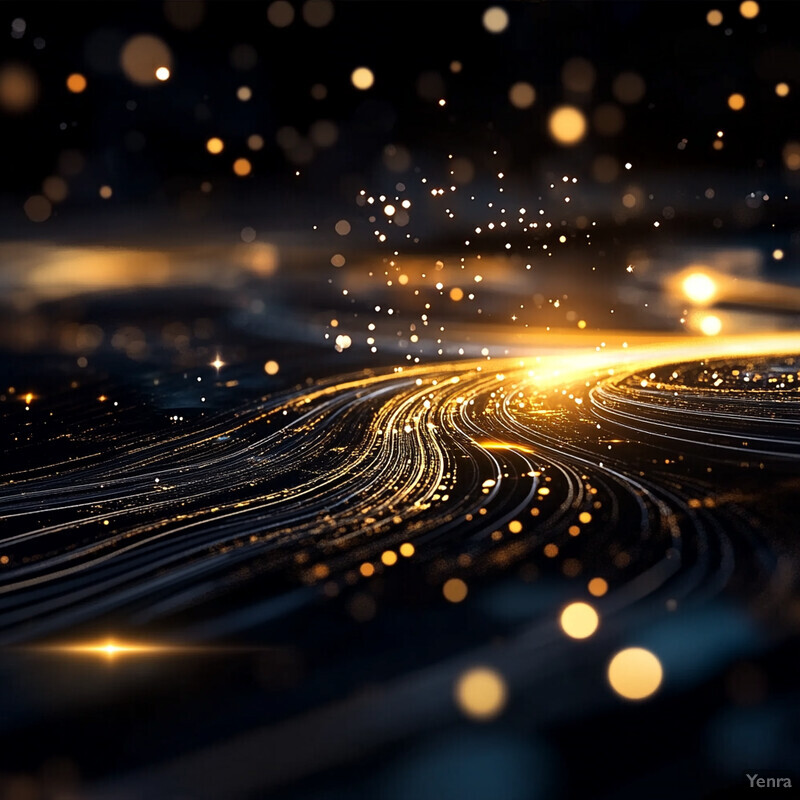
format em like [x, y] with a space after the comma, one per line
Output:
[362, 78]
[141, 58]
[495, 19]
[635, 673]
[481, 693]
[567, 125]
[19, 88]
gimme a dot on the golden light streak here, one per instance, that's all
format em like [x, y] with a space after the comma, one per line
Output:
[108, 649]
[503, 446]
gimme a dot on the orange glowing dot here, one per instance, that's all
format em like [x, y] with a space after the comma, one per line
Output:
[481, 693]
[711, 325]
[714, 17]
[522, 95]
[736, 102]
[271, 367]
[76, 83]
[366, 569]
[579, 620]
[28, 398]
[362, 78]
[791, 155]
[515, 526]
[574, 530]
[4, 559]
[635, 673]
[782, 89]
[567, 125]
[389, 557]
[454, 590]
[495, 19]
[456, 294]
[215, 145]
[699, 287]
[242, 167]
[581, 323]
[551, 550]
[584, 517]
[749, 9]
[598, 587]
[407, 550]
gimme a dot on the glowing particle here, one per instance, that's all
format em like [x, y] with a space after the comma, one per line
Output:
[217, 363]
[699, 287]
[710, 325]
[105, 192]
[456, 294]
[585, 517]
[37, 208]
[55, 188]
[271, 367]
[567, 125]
[515, 526]
[551, 550]
[143, 56]
[454, 590]
[366, 569]
[628, 87]
[338, 260]
[635, 673]
[362, 78]
[244, 93]
[318, 13]
[736, 102]
[406, 549]
[791, 155]
[714, 17]
[481, 693]
[343, 341]
[280, 13]
[389, 558]
[19, 88]
[598, 587]
[579, 620]
[495, 19]
[389, 210]
[522, 95]
[782, 89]
[76, 83]
[162, 74]
[255, 142]
[749, 9]
[777, 254]
[581, 323]
[242, 167]
[215, 145]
